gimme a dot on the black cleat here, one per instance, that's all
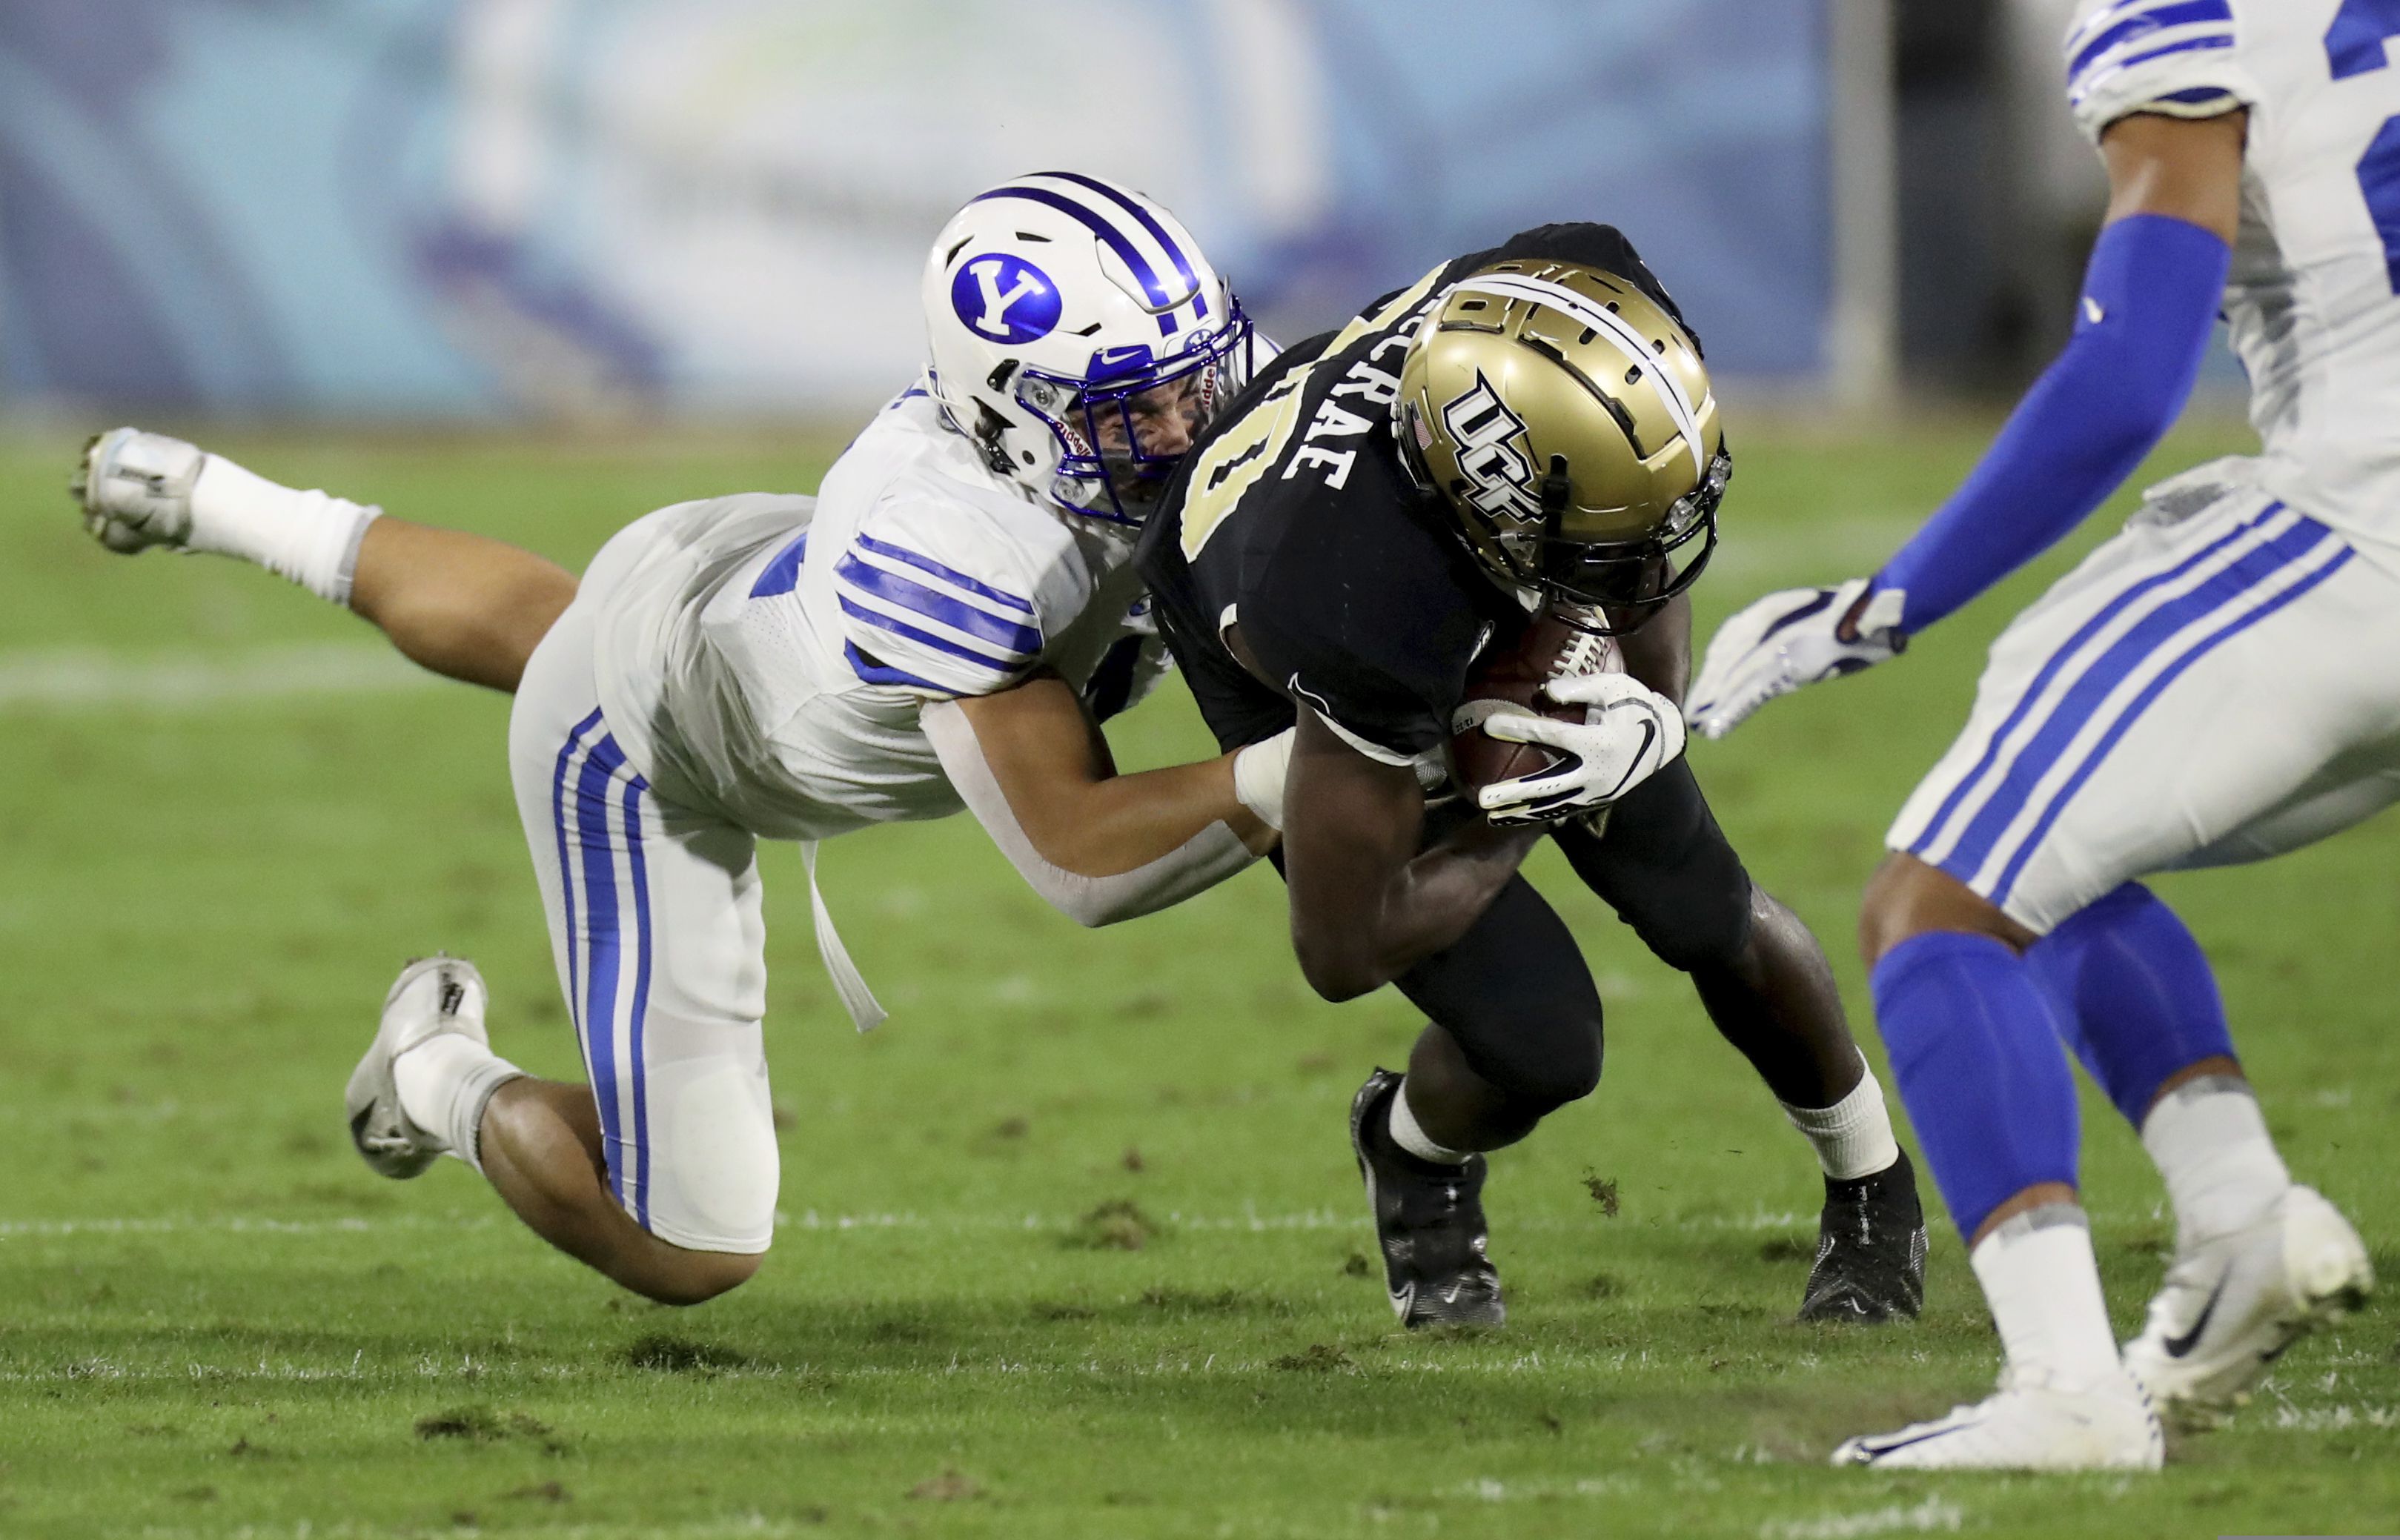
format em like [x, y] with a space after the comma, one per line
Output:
[1869, 1263]
[1428, 1221]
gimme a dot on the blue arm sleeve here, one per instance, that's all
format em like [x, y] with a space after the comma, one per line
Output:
[2150, 298]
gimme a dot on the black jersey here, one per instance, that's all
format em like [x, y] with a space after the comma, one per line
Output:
[1294, 518]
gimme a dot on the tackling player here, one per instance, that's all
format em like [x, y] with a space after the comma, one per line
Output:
[941, 626]
[2213, 685]
[1523, 431]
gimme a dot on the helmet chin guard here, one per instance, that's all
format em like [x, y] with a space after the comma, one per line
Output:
[1564, 420]
[1053, 303]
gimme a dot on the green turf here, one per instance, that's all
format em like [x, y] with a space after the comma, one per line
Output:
[214, 1321]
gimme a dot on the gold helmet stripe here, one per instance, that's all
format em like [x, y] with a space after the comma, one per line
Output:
[1560, 297]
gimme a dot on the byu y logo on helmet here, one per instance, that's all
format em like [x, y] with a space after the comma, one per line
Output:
[1007, 298]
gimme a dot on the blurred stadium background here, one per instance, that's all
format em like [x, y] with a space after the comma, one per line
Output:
[521, 211]
[1075, 1246]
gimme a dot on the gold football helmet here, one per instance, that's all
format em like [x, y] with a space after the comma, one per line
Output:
[1565, 420]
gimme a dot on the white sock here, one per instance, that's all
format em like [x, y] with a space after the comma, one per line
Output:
[311, 537]
[445, 1082]
[1853, 1137]
[2211, 1145]
[2043, 1285]
[1412, 1138]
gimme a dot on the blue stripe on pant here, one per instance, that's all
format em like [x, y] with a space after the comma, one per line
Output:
[2083, 700]
[596, 949]
[2058, 662]
[2141, 703]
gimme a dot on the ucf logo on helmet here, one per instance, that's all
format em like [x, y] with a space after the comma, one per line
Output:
[1499, 478]
[1005, 298]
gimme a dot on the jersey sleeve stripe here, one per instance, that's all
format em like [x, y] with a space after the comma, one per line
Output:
[937, 606]
[2081, 85]
[883, 673]
[2178, 14]
[926, 638]
[948, 574]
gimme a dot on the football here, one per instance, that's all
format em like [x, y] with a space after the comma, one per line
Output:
[1509, 677]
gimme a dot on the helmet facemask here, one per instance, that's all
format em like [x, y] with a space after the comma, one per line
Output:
[1125, 427]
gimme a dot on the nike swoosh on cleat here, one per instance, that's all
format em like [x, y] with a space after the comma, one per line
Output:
[1402, 1300]
[2178, 1347]
[1874, 1448]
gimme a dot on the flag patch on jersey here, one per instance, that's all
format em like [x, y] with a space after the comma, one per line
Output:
[2132, 33]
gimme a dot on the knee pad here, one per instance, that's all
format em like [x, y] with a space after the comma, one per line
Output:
[1545, 1062]
[713, 1170]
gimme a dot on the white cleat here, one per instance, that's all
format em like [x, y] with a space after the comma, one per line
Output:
[2232, 1305]
[2029, 1424]
[435, 994]
[135, 488]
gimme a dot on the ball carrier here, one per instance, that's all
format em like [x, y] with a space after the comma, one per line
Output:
[1411, 513]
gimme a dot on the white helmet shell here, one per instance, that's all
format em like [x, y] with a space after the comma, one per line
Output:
[1055, 295]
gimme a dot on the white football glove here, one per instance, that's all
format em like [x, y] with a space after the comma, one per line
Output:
[1629, 734]
[1790, 639]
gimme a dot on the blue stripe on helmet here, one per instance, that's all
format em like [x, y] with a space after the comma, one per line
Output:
[2058, 661]
[1148, 221]
[937, 605]
[2222, 591]
[2143, 703]
[948, 574]
[1109, 235]
[635, 1053]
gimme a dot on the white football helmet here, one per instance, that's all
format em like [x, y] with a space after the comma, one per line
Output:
[1054, 300]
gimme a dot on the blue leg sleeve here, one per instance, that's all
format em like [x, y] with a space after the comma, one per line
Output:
[2134, 996]
[1980, 1067]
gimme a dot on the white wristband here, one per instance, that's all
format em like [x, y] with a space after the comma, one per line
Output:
[1258, 774]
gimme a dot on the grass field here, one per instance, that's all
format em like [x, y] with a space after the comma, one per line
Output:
[1072, 1247]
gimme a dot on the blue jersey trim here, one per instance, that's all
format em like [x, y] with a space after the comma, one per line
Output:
[948, 574]
[783, 574]
[937, 606]
[883, 673]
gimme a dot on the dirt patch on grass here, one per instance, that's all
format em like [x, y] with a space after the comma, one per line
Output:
[1316, 1358]
[666, 1354]
[1116, 1226]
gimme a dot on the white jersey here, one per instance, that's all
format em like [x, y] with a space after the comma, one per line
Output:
[2313, 299]
[766, 657]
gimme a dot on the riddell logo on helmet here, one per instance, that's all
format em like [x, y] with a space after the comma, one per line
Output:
[1499, 478]
[1006, 299]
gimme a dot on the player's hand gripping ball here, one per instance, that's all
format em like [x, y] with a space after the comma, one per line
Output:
[1552, 728]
